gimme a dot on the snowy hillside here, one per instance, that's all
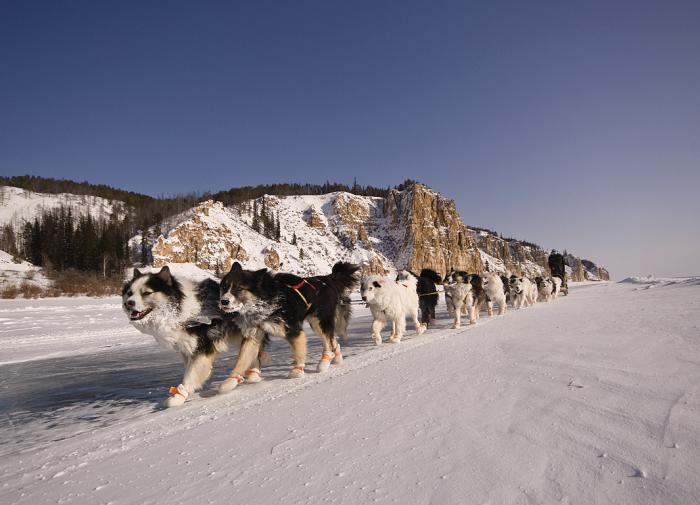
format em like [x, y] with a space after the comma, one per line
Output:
[592, 398]
[18, 205]
[212, 235]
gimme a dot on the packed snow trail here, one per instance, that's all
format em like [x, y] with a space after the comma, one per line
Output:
[592, 398]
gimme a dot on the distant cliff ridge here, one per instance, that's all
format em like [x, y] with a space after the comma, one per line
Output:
[413, 228]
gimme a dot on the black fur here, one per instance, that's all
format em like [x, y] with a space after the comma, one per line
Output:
[475, 280]
[324, 294]
[427, 294]
[506, 286]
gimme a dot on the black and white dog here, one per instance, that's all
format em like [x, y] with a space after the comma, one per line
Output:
[263, 302]
[183, 315]
[478, 295]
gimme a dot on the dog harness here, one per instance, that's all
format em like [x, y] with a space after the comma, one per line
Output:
[297, 288]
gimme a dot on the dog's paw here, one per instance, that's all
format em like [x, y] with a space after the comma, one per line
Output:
[395, 339]
[174, 401]
[253, 375]
[296, 373]
[456, 326]
[337, 357]
[377, 339]
[178, 396]
[325, 362]
[420, 329]
[230, 383]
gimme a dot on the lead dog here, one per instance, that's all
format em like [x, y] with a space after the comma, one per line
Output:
[183, 315]
[391, 300]
[278, 304]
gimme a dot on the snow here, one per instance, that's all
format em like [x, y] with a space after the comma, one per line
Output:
[593, 398]
[8, 264]
[19, 205]
[15, 274]
[651, 281]
[322, 248]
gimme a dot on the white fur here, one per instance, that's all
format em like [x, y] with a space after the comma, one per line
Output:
[493, 287]
[557, 287]
[544, 290]
[460, 297]
[391, 301]
[523, 292]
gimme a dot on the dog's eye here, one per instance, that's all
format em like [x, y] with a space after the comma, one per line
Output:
[146, 293]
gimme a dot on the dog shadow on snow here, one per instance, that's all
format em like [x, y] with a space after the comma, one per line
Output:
[71, 394]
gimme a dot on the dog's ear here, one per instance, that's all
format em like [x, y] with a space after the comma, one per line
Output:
[165, 275]
[236, 267]
[376, 284]
[137, 273]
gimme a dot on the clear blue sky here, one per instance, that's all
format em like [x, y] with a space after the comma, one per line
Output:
[570, 124]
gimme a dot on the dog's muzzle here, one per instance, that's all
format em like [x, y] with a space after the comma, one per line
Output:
[226, 306]
[135, 315]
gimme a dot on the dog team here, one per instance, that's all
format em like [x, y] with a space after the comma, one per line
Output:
[201, 319]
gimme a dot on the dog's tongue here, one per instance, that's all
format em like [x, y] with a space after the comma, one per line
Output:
[135, 313]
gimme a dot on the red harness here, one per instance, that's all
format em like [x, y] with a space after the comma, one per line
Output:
[297, 288]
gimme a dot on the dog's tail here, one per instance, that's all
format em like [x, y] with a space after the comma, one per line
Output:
[346, 280]
[432, 275]
[345, 277]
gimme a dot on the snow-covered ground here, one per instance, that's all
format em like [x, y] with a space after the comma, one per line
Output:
[593, 398]
[15, 273]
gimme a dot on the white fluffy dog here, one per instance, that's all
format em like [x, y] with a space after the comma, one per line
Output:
[523, 292]
[493, 287]
[460, 298]
[545, 288]
[556, 281]
[391, 300]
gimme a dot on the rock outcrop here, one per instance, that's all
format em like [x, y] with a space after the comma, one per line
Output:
[414, 229]
[202, 240]
[430, 232]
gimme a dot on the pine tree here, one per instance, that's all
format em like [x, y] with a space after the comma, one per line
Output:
[144, 247]
[294, 238]
[256, 218]
[278, 231]
[8, 241]
[301, 254]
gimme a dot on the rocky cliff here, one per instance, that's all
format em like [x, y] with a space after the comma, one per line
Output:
[414, 229]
